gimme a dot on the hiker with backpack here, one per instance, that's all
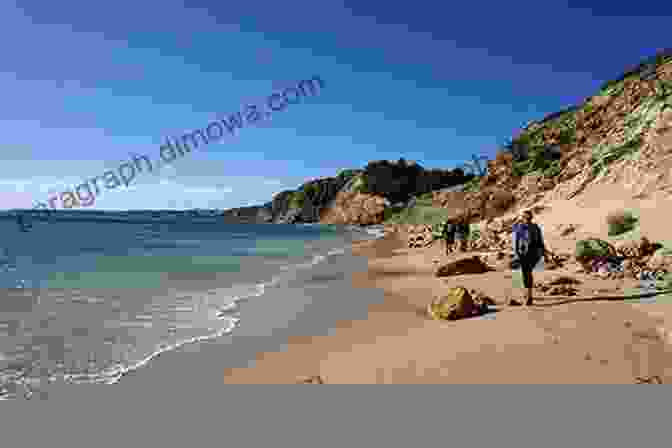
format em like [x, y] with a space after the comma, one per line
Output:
[461, 233]
[528, 250]
[448, 235]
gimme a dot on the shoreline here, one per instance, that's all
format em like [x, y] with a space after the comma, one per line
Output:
[593, 342]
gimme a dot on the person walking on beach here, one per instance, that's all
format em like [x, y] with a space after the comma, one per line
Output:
[528, 249]
[461, 233]
[448, 235]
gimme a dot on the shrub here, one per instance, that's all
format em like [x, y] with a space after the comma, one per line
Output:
[296, 199]
[592, 247]
[312, 190]
[473, 184]
[620, 222]
[346, 174]
[553, 170]
[360, 185]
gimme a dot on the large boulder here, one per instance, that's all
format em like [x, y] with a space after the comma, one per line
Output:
[457, 303]
[471, 265]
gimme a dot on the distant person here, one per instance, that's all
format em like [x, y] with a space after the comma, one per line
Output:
[528, 250]
[461, 233]
[448, 235]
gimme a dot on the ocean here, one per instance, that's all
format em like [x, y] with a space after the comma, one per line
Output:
[87, 297]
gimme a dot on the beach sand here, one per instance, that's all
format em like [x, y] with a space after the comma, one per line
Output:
[552, 342]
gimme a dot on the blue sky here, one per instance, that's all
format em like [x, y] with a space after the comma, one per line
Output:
[86, 84]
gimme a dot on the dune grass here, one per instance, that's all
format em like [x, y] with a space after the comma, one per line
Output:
[420, 214]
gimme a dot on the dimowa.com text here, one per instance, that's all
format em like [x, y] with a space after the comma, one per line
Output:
[84, 194]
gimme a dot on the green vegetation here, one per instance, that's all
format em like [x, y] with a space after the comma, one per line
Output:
[426, 197]
[615, 86]
[552, 170]
[536, 163]
[473, 184]
[620, 222]
[417, 215]
[474, 232]
[360, 184]
[424, 200]
[347, 173]
[538, 160]
[296, 199]
[564, 123]
[590, 248]
[312, 190]
[603, 155]
[635, 124]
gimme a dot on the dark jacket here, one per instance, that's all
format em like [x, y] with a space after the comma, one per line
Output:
[461, 231]
[448, 231]
[537, 248]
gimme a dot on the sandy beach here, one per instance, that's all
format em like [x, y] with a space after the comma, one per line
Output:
[555, 341]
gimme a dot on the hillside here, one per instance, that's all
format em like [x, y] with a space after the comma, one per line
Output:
[354, 196]
[619, 135]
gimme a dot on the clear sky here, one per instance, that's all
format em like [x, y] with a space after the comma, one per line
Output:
[85, 84]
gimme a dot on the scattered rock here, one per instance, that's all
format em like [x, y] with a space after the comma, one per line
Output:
[649, 380]
[471, 265]
[566, 229]
[315, 379]
[564, 280]
[660, 260]
[562, 290]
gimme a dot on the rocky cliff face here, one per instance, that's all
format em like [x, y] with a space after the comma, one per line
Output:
[248, 215]
[305, 203]
[626, 125]
[382, 184]
[355, 208]
[353, 197]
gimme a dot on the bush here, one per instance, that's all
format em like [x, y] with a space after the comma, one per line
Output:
[311, 190]
[602, 156]
[346, 174]
[592, 247]
[620, 222]
[360, 185]
[472, 185]
[416, 215]
[296, 199]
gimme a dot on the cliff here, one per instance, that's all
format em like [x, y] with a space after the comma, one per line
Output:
[621, 131]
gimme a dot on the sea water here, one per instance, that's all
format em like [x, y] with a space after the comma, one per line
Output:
[86, 298]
